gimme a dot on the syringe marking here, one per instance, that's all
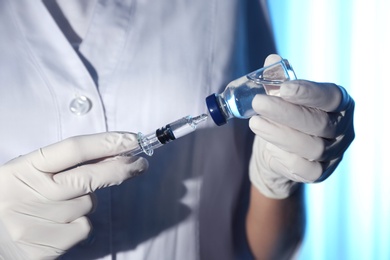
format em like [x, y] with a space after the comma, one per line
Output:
[172, 131]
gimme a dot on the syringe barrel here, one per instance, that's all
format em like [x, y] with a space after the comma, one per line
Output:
[146, 144]
[172, 131]
[182, 127]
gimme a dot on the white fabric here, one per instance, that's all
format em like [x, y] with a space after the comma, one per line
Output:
[77, 13]
[142, 64]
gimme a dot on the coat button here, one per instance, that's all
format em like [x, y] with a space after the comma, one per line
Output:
[80, 105]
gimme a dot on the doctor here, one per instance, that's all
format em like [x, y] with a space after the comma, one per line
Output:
[77, 78]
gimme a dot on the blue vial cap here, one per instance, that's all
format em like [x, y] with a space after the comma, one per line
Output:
[215, 110]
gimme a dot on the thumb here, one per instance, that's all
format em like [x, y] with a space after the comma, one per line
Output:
[327, 97]
[90, 177]
[79, 165]
[271, 59]
[80, 149]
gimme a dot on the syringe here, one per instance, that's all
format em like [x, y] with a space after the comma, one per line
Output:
[163, 135]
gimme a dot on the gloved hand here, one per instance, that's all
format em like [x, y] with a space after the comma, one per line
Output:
[45, 195]
[301, 136]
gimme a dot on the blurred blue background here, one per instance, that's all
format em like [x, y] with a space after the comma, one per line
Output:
[346, 42]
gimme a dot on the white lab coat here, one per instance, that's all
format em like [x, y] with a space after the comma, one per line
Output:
[153, 62]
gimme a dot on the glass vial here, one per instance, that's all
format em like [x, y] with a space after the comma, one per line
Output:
[236, 99]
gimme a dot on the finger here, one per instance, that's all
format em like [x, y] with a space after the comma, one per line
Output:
[271, 59]
[59, 212]
[307, 146]
[329, 167]
[78, 181]
[90, 177]
[288, 139]
[325, 96]
[272, 73]
[292, 166]
[53, 239]
[76, 150]
[305, 119]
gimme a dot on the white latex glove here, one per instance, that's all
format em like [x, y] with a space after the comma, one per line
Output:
[45, 195]
[301, 136]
